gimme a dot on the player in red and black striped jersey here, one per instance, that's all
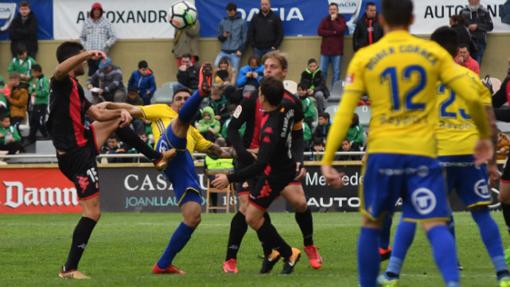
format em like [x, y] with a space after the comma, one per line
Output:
[77, 142]
[276, 170]
[250, 112]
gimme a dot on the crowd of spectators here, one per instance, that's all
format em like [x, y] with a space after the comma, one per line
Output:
[24, 95]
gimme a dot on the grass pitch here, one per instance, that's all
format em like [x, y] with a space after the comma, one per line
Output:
[124, 246]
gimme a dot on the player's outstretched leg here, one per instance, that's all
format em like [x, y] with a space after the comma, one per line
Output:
[384, 239]
[191, 212]
[81, 235]
[444, 251]
[404, 237]
[492, 240]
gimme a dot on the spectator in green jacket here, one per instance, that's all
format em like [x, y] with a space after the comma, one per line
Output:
[356, 134]
[10, 140]
[40, 92]
[22, 64]
[219, 103]
[309, 106]
[208, 126]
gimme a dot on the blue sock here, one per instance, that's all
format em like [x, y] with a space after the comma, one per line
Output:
[451, 226]
[384, 238]
[491, 238]
[368, 257]
[403, 239]
[179, 239]
[445, 253]
[190, 107]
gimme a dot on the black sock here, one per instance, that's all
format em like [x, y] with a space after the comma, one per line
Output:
[269, 236]
[506, 215]
[238, 228]
[129, 137]
[305, 222]
[267, 249]
[81, 237]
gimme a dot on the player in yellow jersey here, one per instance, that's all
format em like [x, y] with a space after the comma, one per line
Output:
[400, 73]
[172, 127]
[456, 138]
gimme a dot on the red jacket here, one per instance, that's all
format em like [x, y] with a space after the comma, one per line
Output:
[332, 33]
[473, 65]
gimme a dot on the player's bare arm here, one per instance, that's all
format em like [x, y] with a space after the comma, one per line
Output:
[134, 111]
[102, 115]
[68, 65]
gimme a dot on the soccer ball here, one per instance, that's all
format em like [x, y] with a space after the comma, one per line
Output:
[182, 14]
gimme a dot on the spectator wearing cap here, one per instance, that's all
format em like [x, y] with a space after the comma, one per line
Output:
[266, 30]
[97, 34]
[232, 33]
[23, 30]
[107, 81]
[143, 81]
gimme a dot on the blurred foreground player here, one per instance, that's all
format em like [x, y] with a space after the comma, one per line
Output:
[77, 142]
[277, 171]
[457, 136]
[400, 74]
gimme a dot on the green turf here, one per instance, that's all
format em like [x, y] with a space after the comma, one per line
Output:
[124, 247]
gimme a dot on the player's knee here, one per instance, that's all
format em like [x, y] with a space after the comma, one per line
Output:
[504, 193]
[243, 204]
[253, 221]
[93, 214]
[193, 219]
[300, 206]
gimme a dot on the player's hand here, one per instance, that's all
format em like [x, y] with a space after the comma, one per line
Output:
[220, 181]
[300, 171]
[97, 55]
[333, 177]
[494, 174]
[125, 118]
[484, 151]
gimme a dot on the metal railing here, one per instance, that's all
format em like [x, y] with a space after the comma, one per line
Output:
[53, 157]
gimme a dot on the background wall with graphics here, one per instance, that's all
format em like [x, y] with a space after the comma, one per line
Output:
[142, 188]
[300, 18]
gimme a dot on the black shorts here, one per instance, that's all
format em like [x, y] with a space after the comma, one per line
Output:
[80, 167]
[268, 188]
[505, 177]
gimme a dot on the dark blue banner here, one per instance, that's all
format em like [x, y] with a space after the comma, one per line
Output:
[300, 18]
[43, 11]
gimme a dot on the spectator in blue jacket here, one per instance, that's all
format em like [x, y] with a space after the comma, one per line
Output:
[251, 74]
[142, 80]
[232, 35]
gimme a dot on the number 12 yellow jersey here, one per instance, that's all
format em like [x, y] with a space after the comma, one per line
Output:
[400, 75]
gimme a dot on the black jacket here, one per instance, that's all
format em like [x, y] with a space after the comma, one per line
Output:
[314, 81]
[265, 31]
[483, 19]
[463, 35]
[189, 78]
[24, 33]
[360, 36]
